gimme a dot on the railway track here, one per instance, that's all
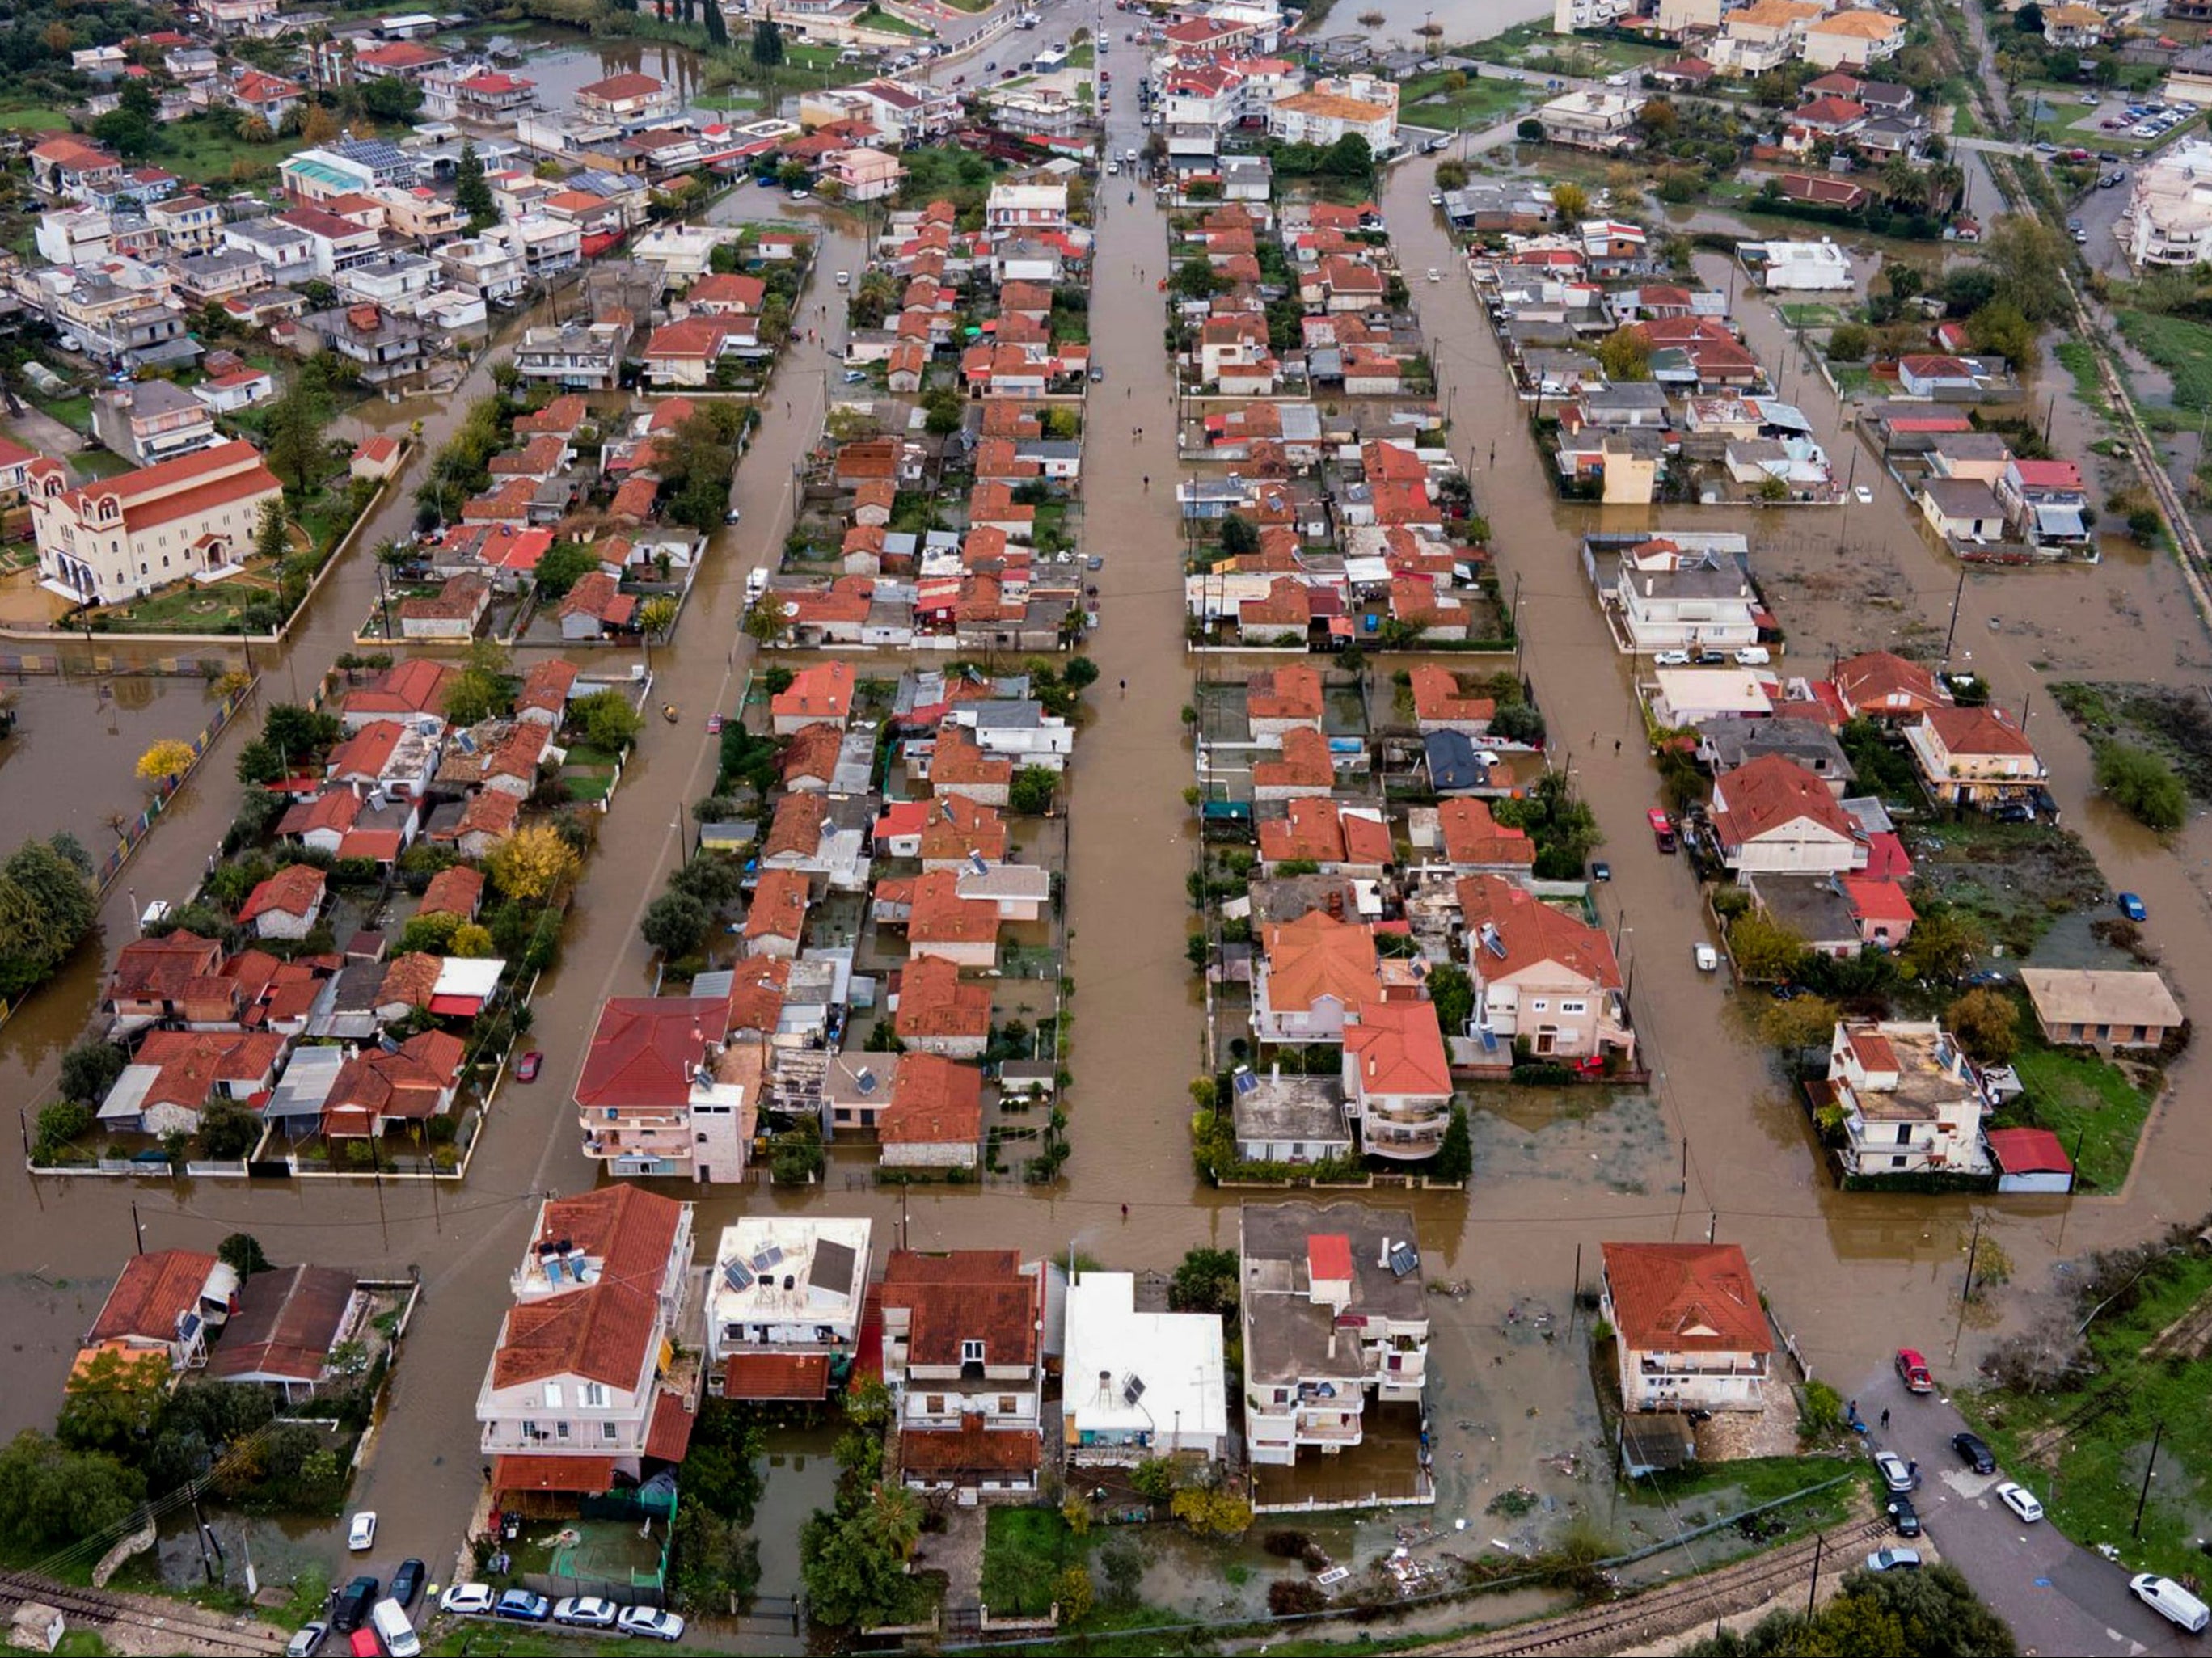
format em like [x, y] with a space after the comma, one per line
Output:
[1676, 1606]
[142, 1627]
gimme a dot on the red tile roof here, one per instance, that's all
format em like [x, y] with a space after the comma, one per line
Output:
[643, 1047]
[779, 906]
[962, 1296]
[934, 1002]
[1684, 1298]
[776, 1375]
[1398, 1047]
[452, 891]
[295, 890]
[935, 1101]
[150, 1294]
[1329, 1257]
[588, 1476]
[1005, 1450]
[1769, 793]
[1532, 933]
[1318, 955]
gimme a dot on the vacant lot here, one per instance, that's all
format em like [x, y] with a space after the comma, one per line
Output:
[2015, 879]
[2182, 348]
[2175, 723]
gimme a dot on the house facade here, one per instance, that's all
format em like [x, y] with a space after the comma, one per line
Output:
[1690, 1331]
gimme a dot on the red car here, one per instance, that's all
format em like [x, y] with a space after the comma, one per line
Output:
[526, 1069]
[1662, 829]
[1912, 1370]
[713, 725]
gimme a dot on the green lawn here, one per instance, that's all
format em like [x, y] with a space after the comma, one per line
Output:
[2180, 346]
[21, 119]
[1746, 1484]
[73, 410]
[1811, 313]
[1083, 56]
[2079, 359]
[873, 19]
[196, 148]
[2084, 1449]
[2089, 1102]
[1478, 104]
[1024, 1550]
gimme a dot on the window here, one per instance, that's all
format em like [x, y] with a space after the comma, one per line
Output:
[593, 1396]
[971, 1352]
[934, 1405]
[1539, 1005]
[1574, 1007]
[609, 1430]
[1904, 1133]
[560, 1429]
[1898, 1162]
[1007, 1404]
[529, 1429]
[552, 1395]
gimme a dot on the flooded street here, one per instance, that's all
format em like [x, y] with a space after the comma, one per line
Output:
[1717, 1146]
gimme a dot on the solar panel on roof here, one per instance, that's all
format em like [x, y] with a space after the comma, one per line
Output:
[866, 1081]
[769, 1258]
[1404, 1258]
[738, 1276]
[1133, 1388]
[1244, 1082]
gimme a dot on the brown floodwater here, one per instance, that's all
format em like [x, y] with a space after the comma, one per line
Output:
[1850, 1274]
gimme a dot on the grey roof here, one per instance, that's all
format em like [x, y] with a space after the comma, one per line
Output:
[149, 398]
[1626, 394]
[1699, 581]
[1288, 1335]
[306, 1084]
[1961, 497]
[1452, 764]
[835, 1266]
[1733, 743]
[1277, 1108]
[1811, 906]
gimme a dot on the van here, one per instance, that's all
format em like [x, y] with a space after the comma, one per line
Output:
[2171, 1601]
[395, 1629]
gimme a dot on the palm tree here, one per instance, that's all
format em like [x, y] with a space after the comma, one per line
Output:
[1370, 19]
[1903, 182]
[1943, 181]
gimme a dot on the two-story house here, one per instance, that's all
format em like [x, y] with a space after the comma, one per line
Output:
[1910, 1099]
[586, 1385]
[1309, 976]
[1690, 1331]
[1669, 599]
[1774, 815]
[784, 1305]
[2045, 501]
[1138, 1384]
[1542, 976]
[1333, 1313]
[1397, 1079]
[661, 1092]
[1973, 757]
[963, 1351]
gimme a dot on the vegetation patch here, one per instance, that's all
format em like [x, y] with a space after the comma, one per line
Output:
[2171, 723]
[2015, 879]
[2179, 345]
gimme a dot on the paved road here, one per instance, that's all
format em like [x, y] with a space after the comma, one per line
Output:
[2059, 1597]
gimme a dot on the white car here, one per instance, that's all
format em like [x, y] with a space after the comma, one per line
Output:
[1894, 1474]
[1862, 495]
[844, 279]
[2016, 1497]
[1436, 198]
[1754, 656]
[586, 1612]
[1707, 958]
[652, 1623]
[1894, 1560]
[360, 1534]
[1435, 275]
[467, 1598]
[1671, 659]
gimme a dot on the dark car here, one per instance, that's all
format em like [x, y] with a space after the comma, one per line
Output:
[2014, 811]
[1974, 1453]
[407, 1582]
[1903, 1517]
[350, 1605]
[1709, 659]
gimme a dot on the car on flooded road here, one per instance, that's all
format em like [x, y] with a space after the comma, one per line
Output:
[2132, 908]
[1662, 830]
[1912, 1370]
[1600, 871]
[526, 1068]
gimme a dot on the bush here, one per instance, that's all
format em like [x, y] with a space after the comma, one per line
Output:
[2142, 784]
[1292, 1597]
[60, 1124]
[90, 1069]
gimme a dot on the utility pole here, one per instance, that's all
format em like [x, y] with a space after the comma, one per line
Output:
[1812, 1590]
[137, 1230]
[1951, 632]
[2149, 1468]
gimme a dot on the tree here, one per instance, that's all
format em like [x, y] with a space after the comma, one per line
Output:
[2000, 328]
[1931, 1613]
[2142, 784]
[1240, 537]
[433, 934]
[1796, 1025]
[1195, 278]
[1518, 722]
[675, 924]
[1625, 353]
[1658, 119]
[853, 1559]
[228, 1130]
[711, 1561]
[944, 411]
[128, 134]
[564, 565]
[255, 130]
[1030, 793]
[718, 30]
[1211, 1513]
[1206, 1281]
[90, 1069]
[391, 98]
[1454, 1157]
[1851, 343]
[471, 192]
[533, 864]
[607, 720]
[2023, 251]
[766, 620]
[294, 432]
[471, 942]
[164, 759]
[241, 1252]
[1451, 175]
[481, 689]
[1904, 281]
[1075, 1594]
[2028, 20]
[1941, 945]
[111, 1402]
[1764, 949]
[657, 616]
[1986, 1022]
[767, 46]
[1569, 202]
[1453, 992]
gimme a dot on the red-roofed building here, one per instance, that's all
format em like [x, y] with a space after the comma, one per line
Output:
[775, 922]
[2030, 1160]
[819, 694]
[1692, 1333]
[1475, 843]
[1542, 975]
[116, 538]
[286, 905]
[595, 607]
[1397, 1077]
[1880, 685]
[1884, 915]
[1973, 757]
[376, 1092]
[1340, 838]
[660, 1093]
[940, 922]
[1772, 814]
[177, 1074]
[161, 1310]
[935, 1117]
[941, 1013]
[582, 1367]
[1439, 704]
[963, 1348]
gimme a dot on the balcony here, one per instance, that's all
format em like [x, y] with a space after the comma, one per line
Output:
[1328, 1430]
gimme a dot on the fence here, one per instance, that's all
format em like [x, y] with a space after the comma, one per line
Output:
[130, 835]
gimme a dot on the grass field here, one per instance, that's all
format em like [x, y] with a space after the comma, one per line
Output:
[196, 148]
[1024, 1550]
[16, 118]
[2182, 348]
[1426, 101]
[2089, 1481]
[2093, 1106]
[1715, 1488]
[1811, 313]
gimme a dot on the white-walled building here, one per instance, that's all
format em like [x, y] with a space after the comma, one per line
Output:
[116, 538]
[1138, 1385]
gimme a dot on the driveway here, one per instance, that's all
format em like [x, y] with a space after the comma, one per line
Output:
[2058, 1598]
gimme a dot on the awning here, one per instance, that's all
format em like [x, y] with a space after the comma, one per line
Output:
[776, 1375]
[587, 1475]
[670, 1434]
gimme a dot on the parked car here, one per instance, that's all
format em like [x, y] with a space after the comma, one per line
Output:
[1754, 656]
[526, 1068]
[306, 1640]
[2132, 908]
[1894, 1560]
[1707, 958]
[844, 279]
[652, 1623]
[1099, 377]
[522, 1606]
[1912, 1370]
[1974, 1452]
[1436, 198]
[1662, 829]
[1895, 1473]
[1904, 1516]
[1709, 659]
[586, 1612]
[1435, 275]
[2171, 1601]
[350, 1605]
[2017, 1498]
[466, 1598]
[713, 725]
[1601, 871]
[1671, 659]
[360, 1534]
[407, 1582]
[1862, 495]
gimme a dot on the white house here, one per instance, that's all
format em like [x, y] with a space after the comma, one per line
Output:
[784, 1287]
[1773, 815]
[1911, 1102]
[1139, 1385]
[116, 538]
[1690, 1331]
[1798, 266]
